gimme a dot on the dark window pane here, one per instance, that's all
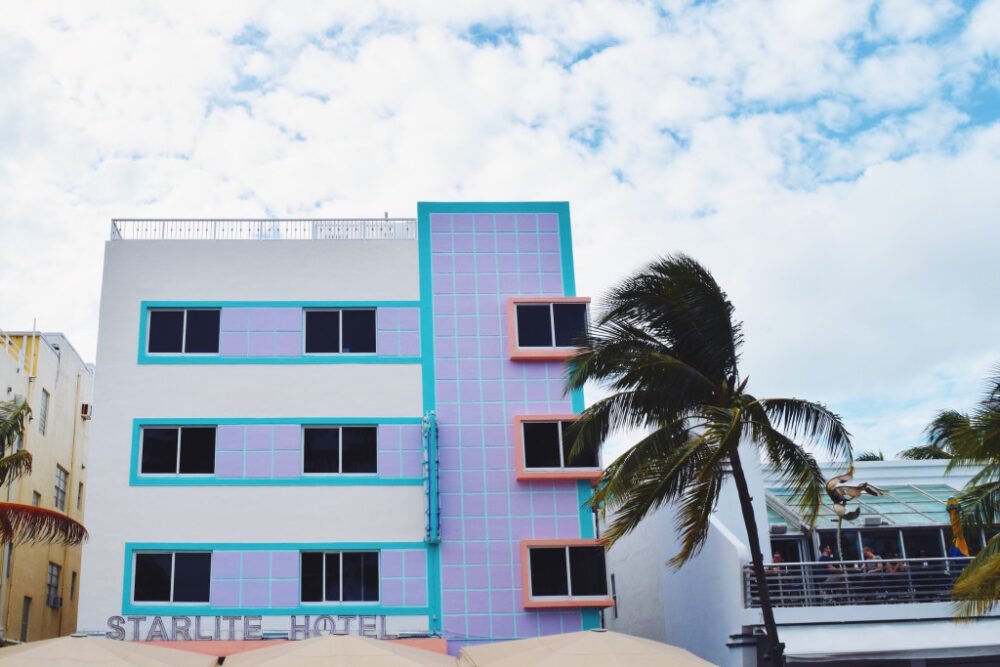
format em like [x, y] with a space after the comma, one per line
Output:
[360, 449]
[312, 577]
[166, 330]
[541, 444]
[320, 450]
[587, 573]
[361, 576]
[202, 332]
[197, 450]
[159, 450]
[359, 330]
[332, 590]
[534, 326]
[152, 577]
[322, 331]
[548, 571]
[192, 576]
[571, 323]
[583, 459]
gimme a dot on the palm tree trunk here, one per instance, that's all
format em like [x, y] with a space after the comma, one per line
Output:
[775, 653]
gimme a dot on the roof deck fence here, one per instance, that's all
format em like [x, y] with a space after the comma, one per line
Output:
[232, 229]
[863, 582]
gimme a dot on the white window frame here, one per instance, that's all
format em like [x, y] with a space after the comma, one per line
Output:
[552, 322]
[340, 332]
[61, 490]
[43, 412]
[173, 574]
[184, 328]
[562, 456]
[177, 461]
[340, 450]
[341, 601]
[569, 578]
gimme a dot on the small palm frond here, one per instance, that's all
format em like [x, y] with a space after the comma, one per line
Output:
[624, 411]
[662, 461]
[924, 453]
[14, 466]
[26, 524]
[870, 456]
[13, 415]
[798, 468]
[698, 503]
[678, 302]
[626, 367]
[977, 589]
[980, 500]
[812, 422]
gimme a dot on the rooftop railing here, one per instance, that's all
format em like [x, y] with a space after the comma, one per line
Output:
[222, 229]
[865, 582]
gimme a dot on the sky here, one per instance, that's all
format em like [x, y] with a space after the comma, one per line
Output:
[835, 164]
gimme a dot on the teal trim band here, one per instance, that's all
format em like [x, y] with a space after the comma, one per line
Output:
[281, 304]
[137, 479]
[213, 359]
[166, 609]
[181, 359]
[430, 405]
[274, 546]
[353, 480]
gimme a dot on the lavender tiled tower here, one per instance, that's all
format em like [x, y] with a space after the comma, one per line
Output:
[479, 259]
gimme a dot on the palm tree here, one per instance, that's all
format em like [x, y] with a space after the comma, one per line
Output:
[870, 456]
[974, 439]
[19, 523]
[667, 346]
[940, 434]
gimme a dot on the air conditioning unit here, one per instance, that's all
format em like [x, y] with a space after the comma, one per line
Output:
[54, 602]
[86, 410]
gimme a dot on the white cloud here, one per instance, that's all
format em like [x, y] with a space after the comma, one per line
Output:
[812, 154]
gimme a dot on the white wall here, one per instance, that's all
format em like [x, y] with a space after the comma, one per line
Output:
[137, 271]
[699, 606]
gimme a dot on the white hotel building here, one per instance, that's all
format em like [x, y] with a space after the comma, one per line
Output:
[350, 424]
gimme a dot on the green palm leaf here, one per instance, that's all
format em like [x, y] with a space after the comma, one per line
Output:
[14, 466]
[13, 415]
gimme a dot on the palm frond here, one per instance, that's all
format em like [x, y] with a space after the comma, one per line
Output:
[26, 524]
[812, 422]
[678, 302]
[870, 456]
[13, 415]
[698, 503]
[977, 590]
[980, 500]
[627, 361]
[623, 411]
[652, 472]
[925, 453]
[797, 468]
[14, 466]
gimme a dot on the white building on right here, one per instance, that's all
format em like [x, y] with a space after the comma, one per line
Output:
[894, 612]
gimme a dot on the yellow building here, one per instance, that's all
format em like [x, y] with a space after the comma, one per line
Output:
[39, 584]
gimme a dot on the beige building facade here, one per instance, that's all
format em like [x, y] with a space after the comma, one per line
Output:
[39, 584]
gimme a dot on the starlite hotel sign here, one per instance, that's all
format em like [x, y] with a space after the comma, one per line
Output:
[213, 628]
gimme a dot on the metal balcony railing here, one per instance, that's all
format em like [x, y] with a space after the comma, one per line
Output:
[362, 229]
[865, 582]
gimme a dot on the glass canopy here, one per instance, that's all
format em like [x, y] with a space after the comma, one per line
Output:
[908, 505]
